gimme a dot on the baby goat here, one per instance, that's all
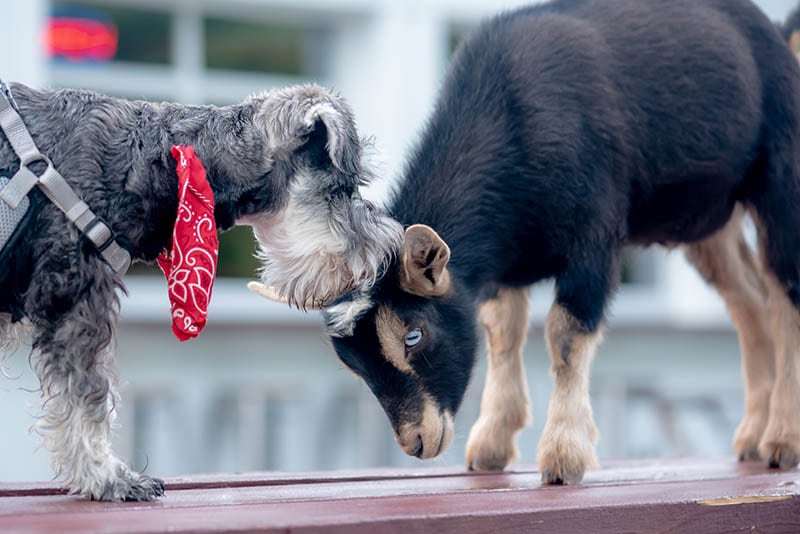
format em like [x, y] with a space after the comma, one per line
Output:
[565, 132]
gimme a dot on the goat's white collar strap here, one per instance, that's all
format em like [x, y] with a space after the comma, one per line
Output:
[54, 186]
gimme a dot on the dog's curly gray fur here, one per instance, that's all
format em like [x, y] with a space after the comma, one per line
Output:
[287, 162]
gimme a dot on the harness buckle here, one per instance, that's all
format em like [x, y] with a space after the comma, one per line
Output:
[27, 159]
[99, 233]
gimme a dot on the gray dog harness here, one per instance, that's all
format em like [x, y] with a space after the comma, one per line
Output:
[14, 193]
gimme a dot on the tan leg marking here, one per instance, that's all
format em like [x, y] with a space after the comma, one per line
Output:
[504, 405]
[725, 261]
[794, 44]
[780, 444]
[566, 448]
[391, 336]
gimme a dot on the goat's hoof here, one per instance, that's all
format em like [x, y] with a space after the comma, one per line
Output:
[747, 449]
[780, 446]
[565, 453]
[567, 470]
[780, 456]
[749, 454]
[563, 477]
[489, 447]
[747, 437]
[487, 463]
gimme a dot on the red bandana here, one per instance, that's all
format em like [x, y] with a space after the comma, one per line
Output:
[191, 264]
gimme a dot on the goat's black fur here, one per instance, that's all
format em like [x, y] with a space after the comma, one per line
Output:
[568, 130]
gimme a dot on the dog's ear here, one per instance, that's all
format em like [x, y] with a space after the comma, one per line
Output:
[332, 133]
[310, 117]
[423, 264]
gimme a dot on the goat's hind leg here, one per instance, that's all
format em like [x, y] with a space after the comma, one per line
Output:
[725, 261]
[780, 443]
[778, 221]
[504, 405]
[77, 377]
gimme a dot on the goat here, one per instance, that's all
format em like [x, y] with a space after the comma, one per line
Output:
[565, 132]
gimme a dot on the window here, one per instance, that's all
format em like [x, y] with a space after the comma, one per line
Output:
[273, 47]
[84, 32]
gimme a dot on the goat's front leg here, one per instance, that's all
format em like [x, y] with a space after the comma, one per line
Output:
[566, 448]
[573, 332]
[504, 405]
[73, 311]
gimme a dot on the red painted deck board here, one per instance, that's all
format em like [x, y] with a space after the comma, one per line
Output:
[639, 496]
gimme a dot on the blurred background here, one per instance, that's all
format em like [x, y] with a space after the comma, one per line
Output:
[261, 388]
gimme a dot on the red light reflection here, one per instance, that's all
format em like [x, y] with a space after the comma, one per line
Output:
[80, 39]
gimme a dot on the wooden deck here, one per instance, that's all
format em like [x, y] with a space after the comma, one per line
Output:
[633, 496]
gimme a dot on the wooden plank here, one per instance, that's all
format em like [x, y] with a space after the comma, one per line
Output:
[616, 470]
[670, 496]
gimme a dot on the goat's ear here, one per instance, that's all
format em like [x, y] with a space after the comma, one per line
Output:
[794, 43]
[423, 265]
[309, 117]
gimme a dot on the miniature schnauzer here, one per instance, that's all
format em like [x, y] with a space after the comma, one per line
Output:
[286, 162]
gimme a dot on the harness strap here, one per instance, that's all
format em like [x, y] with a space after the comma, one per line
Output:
[19, 186]
[17, 134]
[55, 188]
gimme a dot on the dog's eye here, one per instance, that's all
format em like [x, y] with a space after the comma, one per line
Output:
[413, 337]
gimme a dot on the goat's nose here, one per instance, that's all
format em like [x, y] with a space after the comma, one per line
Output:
[417, 449]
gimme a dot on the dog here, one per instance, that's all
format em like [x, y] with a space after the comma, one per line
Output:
[564, 133]
[288, 163]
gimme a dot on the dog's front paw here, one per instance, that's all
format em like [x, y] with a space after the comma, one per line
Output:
[490, 446]
[130, 486]
[565, 452]
[146, 488]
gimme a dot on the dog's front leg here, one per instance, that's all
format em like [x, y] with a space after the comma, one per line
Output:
[76, 419]
[73, 313]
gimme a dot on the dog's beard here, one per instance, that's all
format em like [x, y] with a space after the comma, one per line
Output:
[314, 254]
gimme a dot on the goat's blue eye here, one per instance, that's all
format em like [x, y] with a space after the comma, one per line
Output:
[413, 337]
